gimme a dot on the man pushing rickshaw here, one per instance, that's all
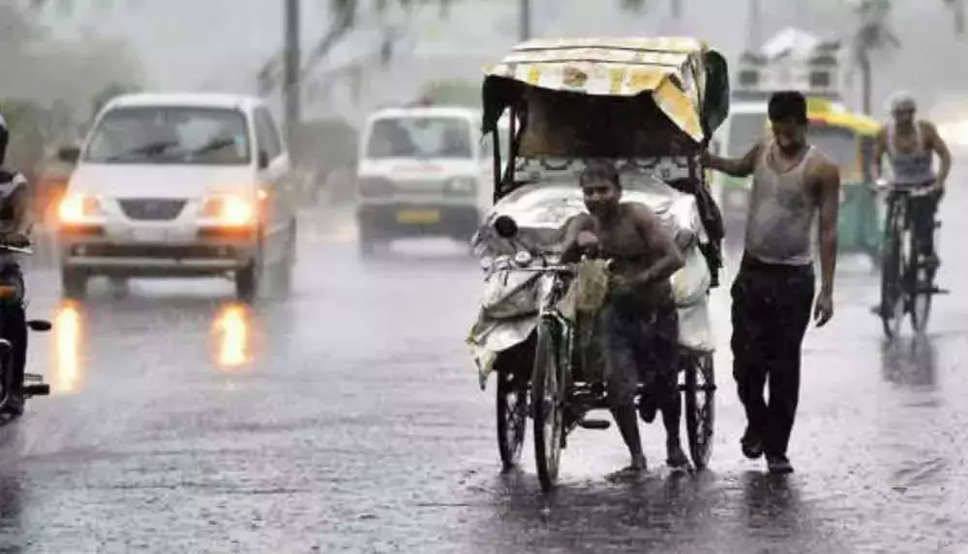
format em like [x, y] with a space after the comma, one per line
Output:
[603, 183]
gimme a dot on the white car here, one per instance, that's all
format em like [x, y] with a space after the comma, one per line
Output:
[423, 171]
[178, 185]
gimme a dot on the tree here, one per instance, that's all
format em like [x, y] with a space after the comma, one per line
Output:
[45, 69]
[958, 9]
[675, 6]
[872, 35]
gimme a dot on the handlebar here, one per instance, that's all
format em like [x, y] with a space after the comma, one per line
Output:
[556, 268]
[8, 248]
[911, 190]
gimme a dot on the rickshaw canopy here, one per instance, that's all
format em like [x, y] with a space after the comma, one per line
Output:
[686, 80]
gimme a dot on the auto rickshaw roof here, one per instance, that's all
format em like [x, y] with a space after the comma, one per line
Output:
[686, 79]
[860, 124]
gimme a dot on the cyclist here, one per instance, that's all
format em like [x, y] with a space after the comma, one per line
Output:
[14, 227]
[910, 144]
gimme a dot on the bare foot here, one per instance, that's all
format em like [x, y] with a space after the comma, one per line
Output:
[677, 459]
[630, 473]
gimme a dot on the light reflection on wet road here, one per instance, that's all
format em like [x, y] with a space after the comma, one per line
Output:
[348, 417]
[232, 334]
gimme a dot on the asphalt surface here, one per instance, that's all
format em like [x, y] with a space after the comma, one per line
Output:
[347, 417]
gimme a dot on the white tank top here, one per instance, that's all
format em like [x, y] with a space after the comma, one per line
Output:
[910, 168]
[782, 212]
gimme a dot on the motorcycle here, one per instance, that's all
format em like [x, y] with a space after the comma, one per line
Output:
[33, 384]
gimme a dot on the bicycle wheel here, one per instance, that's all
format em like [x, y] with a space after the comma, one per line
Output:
[892, 294]
[700, 391]
[547, 397]
[920, 286]
[512, 417]
[6, 374]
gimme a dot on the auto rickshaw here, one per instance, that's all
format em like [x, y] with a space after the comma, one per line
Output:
[648, 106]
[848, 140]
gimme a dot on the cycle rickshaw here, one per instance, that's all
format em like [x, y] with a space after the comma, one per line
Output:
[648, 106]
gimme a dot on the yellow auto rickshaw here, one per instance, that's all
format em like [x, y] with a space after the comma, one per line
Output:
[848, 140]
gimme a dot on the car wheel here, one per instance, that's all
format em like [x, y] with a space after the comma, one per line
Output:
[119, 286]
[247, 282]
[369, 242]
[73, 283]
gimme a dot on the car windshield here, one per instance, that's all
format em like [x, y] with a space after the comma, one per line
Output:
[171, 135]
[838, 144]
[420, 137]
[745, 129]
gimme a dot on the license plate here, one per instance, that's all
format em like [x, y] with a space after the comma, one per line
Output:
[148, 235]
[418, 217]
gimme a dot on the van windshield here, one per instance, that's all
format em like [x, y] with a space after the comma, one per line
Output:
[171, 135]
[745, 130]
[420, 137]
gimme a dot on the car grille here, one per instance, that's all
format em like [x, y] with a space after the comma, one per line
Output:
[152, 251]
[152, 209]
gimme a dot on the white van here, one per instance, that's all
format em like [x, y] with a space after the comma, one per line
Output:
[746, 124]
[178, 185]
[423, 171]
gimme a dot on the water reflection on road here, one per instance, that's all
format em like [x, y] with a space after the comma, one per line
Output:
[232, 332]
[910, 361]
[68, 328]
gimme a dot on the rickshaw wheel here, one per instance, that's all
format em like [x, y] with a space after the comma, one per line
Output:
[700, 391]
[512, 417]
[546, 401]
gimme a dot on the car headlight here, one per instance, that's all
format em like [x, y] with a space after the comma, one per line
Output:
[79, 208]
[461, 185]
[229, 210]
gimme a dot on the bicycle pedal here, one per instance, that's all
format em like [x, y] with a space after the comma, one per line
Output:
[600, 424]
[932, 290]
[33, 378]
[39, 325]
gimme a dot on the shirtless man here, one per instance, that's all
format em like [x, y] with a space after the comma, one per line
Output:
[639, 321]
[793, 184]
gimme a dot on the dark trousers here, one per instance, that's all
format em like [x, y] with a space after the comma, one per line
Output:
[640, 348]
[13, 321]
[923, 210]
[771, 310]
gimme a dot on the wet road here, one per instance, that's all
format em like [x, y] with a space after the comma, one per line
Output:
[347, 417]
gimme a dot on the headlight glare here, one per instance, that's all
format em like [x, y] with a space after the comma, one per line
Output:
[76, 208]
[229, 210]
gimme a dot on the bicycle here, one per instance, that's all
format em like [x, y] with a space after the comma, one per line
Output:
[907, 280]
